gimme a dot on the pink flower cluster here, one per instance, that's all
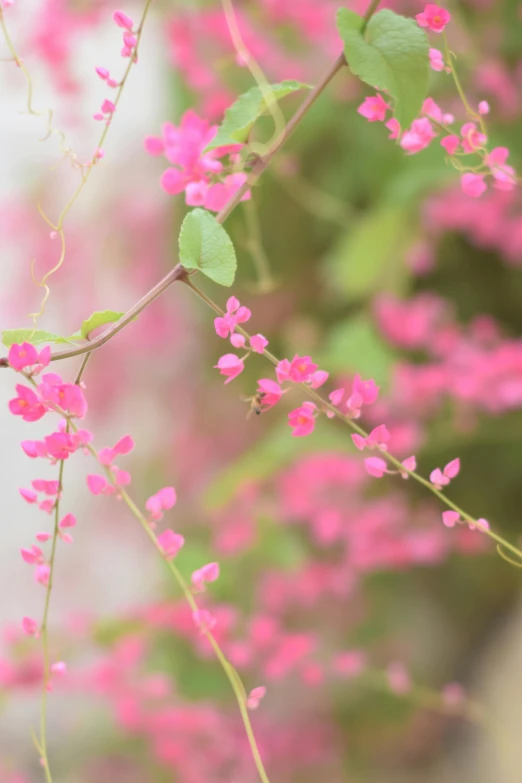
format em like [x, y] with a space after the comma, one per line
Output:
[471, 140]
[200, 174]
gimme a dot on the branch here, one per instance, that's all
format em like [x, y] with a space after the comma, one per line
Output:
[179, 273]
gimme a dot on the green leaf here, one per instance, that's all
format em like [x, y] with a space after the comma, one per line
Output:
[392, 55]
[205, 245]
[370, 258]
[33, 336]
[97, 319]
[241, 116]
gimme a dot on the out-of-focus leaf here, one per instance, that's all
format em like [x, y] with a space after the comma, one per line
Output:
[33, 336]
[355, 346]
[370, 257]
[97, 319]
[205, 245]
[391, 55]
[241, 116]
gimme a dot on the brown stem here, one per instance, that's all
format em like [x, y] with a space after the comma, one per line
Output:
[179, 273]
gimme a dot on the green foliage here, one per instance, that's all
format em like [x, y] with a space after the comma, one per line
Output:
[355, 346]
[241, 116]
[33, 336]
[370, 257]
[391, 55]
[205, 245]
[97, 319]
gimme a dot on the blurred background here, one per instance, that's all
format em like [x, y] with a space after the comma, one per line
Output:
[388, 644]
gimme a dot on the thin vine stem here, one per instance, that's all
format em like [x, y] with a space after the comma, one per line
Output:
[325, 405]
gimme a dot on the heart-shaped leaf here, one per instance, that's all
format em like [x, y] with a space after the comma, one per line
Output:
[205, 245]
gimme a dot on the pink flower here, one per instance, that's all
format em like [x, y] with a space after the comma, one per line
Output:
[47, 487]
[450, 144]
[480, 524]
[203, 620]
[299, 370]
[410, 463]
[394, 128]
[162, 501]
[318, 379]
[302, 419]
[204, 575]
[450, 518]
[122, 20]
[436, 60]
[483, 107]
[255, 696]
[270, 392]
[42, 573]
[237, 340]
[434, 18]
[473, 184]
[103, 73]
[96, 484]
[258, 343]
[30, 627]
[43, 537]
[27, 405]
[363, 393]
[28, 495]
[21, 356]
[418, 137]
[504, 175]
[69, 520]
[472, 138]
[375, 466]
[170, 543]
[59, 667]
[441, 478]
[374, 109]
[32, 556]
[432, 109]
[230, 366]
[123, 446]
[108, 107]
[378, 438]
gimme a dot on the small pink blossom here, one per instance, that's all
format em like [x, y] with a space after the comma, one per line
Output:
[480, 524]
[103, 73]
[410, 464]
[162, 501]
[318, 379]
[30, 627]
[69, 520]
[270, 391]
[302, 419]
[204, 575]
[472, 138]
[378, 438]
[504, 175]
[32, 556]
[28, 495]
[441, 478]
[42, 573]
[450, 144]
[434, 18]
[375, 466]
[204, 620]
[473, 184]
[27, 405]
[59, 667]
[299, 370]
[170, 543]
[450, 518]
[43, 537]
[418, 137]
[22, 356]
[258, 343]
[483, 107]
[122, 20]
[97, 484]
[123, 446]
[374, 109]
[108, 107]
[237, 340]
[230, 366]
[394, 127]
[255, 696]
[436, 60]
